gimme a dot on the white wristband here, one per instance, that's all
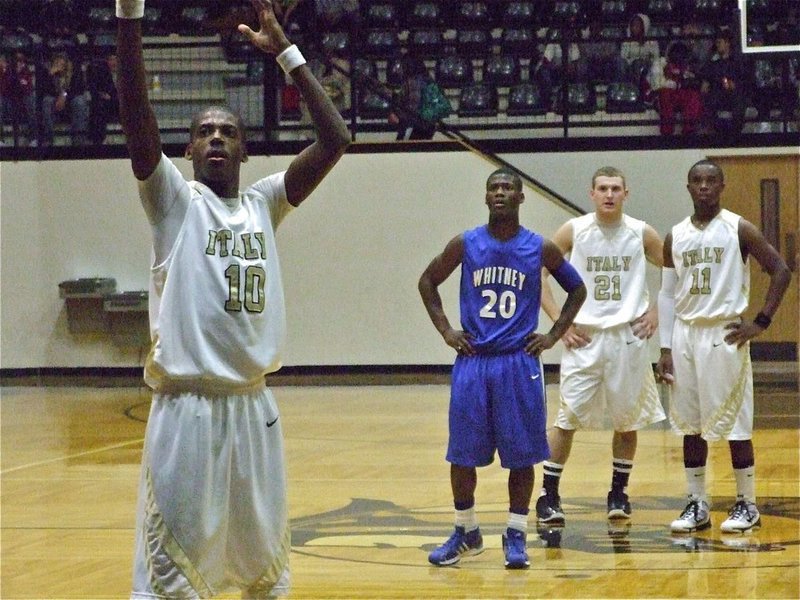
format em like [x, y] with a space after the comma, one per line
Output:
[290, 59]
[130, 9]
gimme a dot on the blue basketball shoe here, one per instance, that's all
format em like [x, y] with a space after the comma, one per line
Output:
[515, 549]
[461, 543]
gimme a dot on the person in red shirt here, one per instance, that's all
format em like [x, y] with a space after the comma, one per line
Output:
[680, 91]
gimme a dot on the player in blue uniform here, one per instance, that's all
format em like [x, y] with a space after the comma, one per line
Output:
[497, 400]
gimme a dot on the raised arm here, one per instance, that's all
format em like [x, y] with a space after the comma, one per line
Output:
[440, 268]
[309, 167]
[136, 114]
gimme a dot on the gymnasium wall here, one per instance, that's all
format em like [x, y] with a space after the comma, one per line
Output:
[351, 255]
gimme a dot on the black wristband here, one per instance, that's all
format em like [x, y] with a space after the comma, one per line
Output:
[762, 320]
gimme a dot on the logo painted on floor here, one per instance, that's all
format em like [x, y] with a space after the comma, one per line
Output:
[372, 523]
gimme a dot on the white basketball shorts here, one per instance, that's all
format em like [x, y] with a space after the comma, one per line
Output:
[713, 390]
[212, 513]
[613, 376]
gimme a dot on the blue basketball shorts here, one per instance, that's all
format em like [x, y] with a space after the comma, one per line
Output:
[497, 402]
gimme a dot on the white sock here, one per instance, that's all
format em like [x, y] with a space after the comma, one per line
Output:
[696, 483]
[518, 522]
[746, 483]
[467, 519]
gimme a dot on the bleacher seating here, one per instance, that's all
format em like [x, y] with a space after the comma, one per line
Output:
[568, 12]
[713, 11]
[103, 41]
[381, 14]
[454, 71]
[478, 100]
[473, 41]
[616, 11]
[518, 40]
[336, 43]
[425, 14]
[152, 21]
[102, 18]
[193, 19]
[473, 13]
[759, 10]
[525, 99]
[581, 100]
[426, 42]
[519, 14]
[612, 32]
[17, 41]
[623, 97]
[662, 10]
[381, 43]
[488, 47]
[501, 70]
[374, 105]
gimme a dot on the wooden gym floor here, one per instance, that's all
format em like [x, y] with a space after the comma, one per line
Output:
[370, 497]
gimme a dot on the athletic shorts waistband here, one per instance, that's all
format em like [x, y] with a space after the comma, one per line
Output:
[208, 387]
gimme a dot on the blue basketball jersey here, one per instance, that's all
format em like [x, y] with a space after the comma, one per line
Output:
[500, 288]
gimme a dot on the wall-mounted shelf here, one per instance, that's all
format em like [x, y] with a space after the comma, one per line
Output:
[94, 306]
[128, 318]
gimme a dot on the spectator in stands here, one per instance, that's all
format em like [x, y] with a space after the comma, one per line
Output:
[101, 77]
[410, 126]
[552, 71]
[637, 53]
[724, 87]
[701, 42]
[18, 97]
[64, 97]
[679, 91]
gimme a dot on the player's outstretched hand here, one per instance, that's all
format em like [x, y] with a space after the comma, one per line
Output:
[270, 37]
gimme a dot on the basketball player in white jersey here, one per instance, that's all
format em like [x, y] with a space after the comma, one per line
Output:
[212, 513]
[605, 367]
[705, 349]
